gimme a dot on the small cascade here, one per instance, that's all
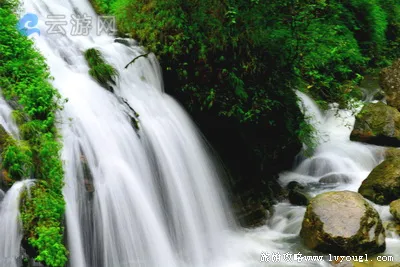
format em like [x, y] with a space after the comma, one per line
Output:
[11, 225]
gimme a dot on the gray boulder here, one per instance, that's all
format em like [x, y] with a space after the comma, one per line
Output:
[342, 223]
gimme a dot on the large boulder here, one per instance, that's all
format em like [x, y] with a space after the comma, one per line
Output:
[377, 124]
[382, 185]
[389, 81]
[395, 209]
[342, 223]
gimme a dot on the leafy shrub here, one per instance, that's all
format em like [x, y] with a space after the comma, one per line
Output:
[17, 159]
[102, 72]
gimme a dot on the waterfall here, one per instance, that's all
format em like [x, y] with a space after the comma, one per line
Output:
[133, 198]
[152, 197]
[11, 225]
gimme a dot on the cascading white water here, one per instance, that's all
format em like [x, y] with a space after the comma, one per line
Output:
[145, 198]
[11, 226]
[337, 164]
[6, 119]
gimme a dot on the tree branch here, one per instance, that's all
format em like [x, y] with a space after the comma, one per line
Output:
[133, 61]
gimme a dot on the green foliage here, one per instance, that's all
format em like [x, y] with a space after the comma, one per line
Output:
[368, 21]
[45, 213]
[102, 72]
[24, 77]
[48, 242]
[102, 6]
[392, 9]
[17, 159]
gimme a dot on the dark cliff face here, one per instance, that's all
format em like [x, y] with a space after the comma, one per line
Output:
[253, 153]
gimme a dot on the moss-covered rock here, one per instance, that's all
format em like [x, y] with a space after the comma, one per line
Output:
[389, 80]
[382, 185]
[392, 152]
[342, 223]
[377, 124]
[395, 209]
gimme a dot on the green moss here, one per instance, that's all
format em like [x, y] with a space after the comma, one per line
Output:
[383, 184]
[102, 72]
[24, 77]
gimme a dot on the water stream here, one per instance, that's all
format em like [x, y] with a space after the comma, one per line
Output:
[11, 226]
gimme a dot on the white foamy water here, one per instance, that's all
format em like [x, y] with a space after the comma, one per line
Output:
[11, 225]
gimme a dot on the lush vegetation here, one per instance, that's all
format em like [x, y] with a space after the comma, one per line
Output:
[24, 80]
[100, 70]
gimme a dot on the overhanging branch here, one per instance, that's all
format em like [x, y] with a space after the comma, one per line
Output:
[133, 60]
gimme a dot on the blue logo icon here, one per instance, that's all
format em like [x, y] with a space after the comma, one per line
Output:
[26, 25]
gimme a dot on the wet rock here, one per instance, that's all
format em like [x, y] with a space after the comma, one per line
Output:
[395, 209]
[342, 223]
[391, 227]
[299, 198]
[87, 175]
[389, 80]
[379, 95]
[122, 41]
[297, 194]
[335, 178]
[377, 124]
[382, 185]
[294, 185]
[252, 216]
